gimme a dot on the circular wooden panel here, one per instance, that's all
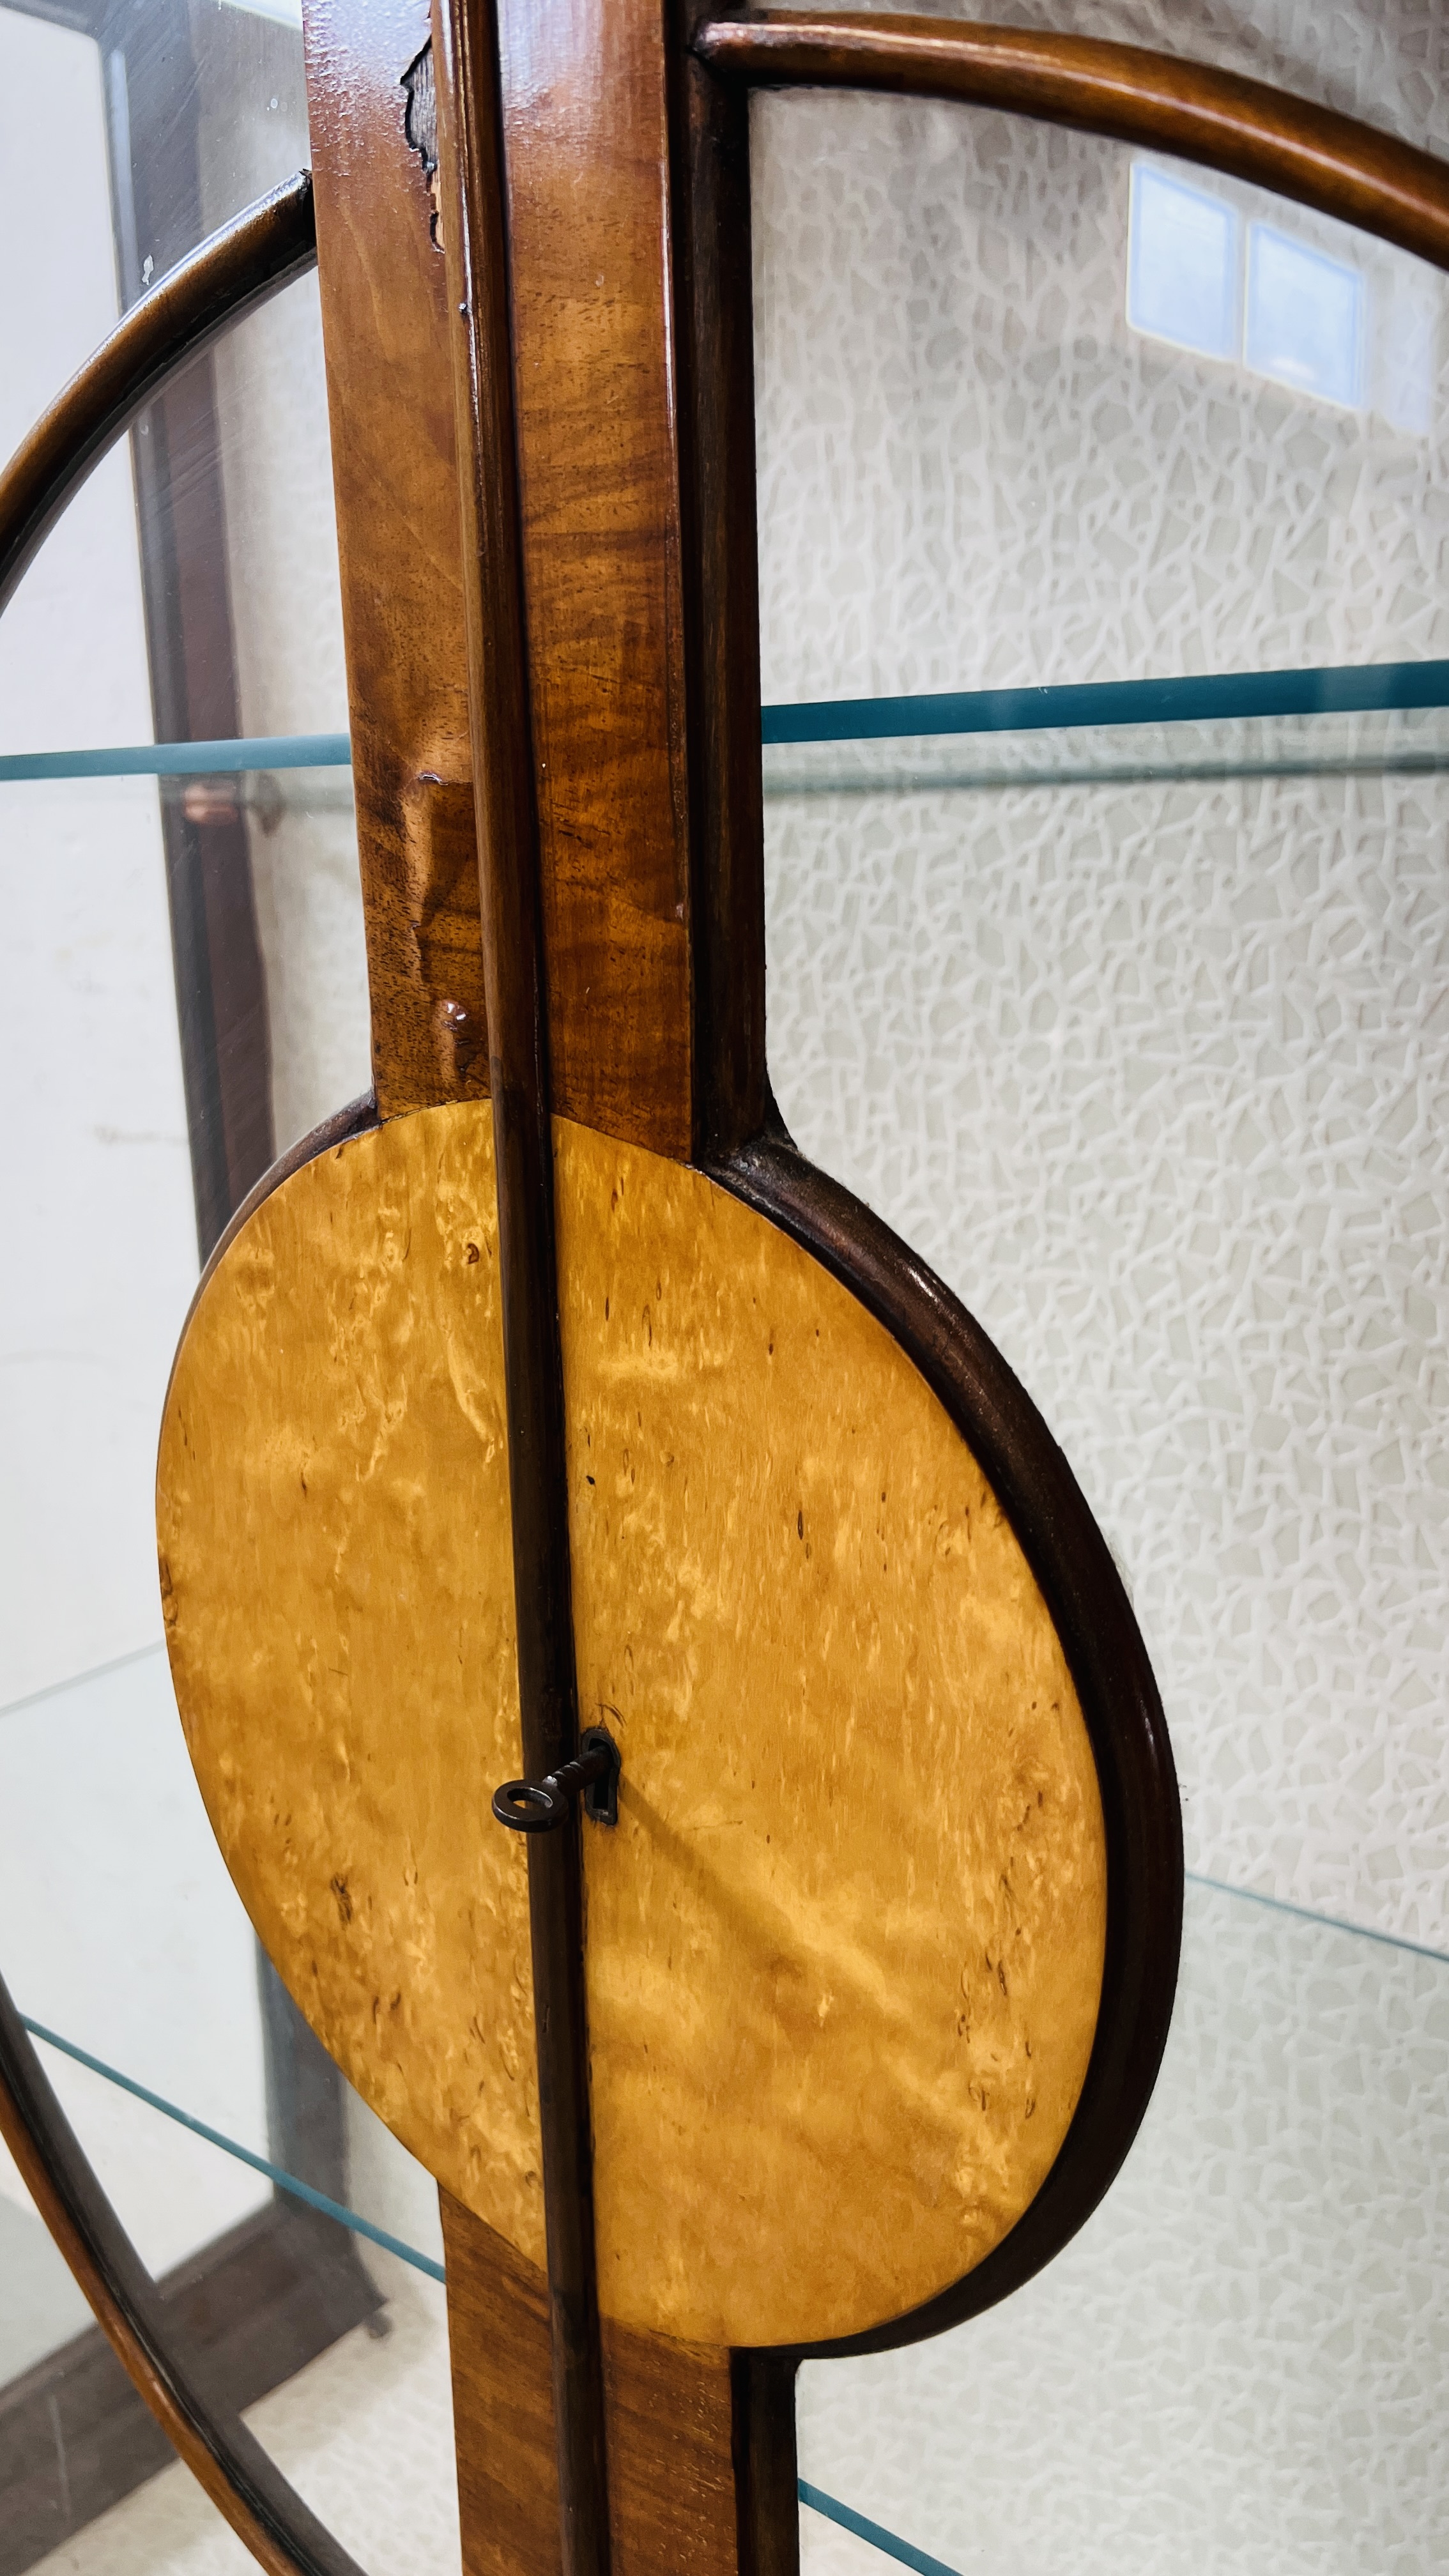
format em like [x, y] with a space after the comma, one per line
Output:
[845, 1945]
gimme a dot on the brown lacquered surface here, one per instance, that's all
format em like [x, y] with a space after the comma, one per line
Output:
[390, 395]
[515, 982]
[845, 1945]
[674, 2432]
[503, 2423]
[1302, 151]
[587, 179]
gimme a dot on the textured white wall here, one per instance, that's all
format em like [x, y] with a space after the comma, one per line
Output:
[1156, 1077]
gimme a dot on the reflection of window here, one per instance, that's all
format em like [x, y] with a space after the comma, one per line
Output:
[1182, 278]
[1304, 316]
[1296, 314]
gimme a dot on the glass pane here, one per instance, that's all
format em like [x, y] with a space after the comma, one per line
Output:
[184, 994]
[1135, 1029]
[975, 472]
[1239, 2364]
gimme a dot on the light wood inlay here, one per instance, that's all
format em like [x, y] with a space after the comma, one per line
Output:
[845, 1946]
[332, 1511]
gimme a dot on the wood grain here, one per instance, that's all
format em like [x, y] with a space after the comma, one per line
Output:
[673, 2431]
[1217, 118]
[334, 1531]
[845, 1946]
[722, 611]
[503, 2424]
[585, 124]
[466, 83]
[390, 396]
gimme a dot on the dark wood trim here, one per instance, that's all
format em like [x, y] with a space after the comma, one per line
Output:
[767, 2503]
[714, 338]
[227, 275]
[242, 2481]
[471, 171]
[1120, 1702]
[1216, 118]
[256, 2306]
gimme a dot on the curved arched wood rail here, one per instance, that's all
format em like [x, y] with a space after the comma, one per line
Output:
[236, 268]
[1123, 92]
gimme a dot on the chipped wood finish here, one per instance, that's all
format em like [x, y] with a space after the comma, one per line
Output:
[586, 160]
[845, 1947]
[390, 396]
[332, 1513]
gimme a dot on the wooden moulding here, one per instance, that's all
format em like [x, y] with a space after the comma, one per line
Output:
[714, 339]
[1124, 92]
[390, 397]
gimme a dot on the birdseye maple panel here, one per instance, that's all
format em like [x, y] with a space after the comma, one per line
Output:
[333, 1522]
[845, 1946]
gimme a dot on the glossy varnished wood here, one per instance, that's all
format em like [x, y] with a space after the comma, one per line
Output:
[702, 2445]
[1136, 1778]
[390, 397]
[585, 114]
[466, 82]
[335, 1428]
[716, 409]
[845, 1944]
[503, 2420]
[1301, 150]
[261, 250]
[846, 1941]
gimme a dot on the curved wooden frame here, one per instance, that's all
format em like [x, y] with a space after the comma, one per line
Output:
[262, 250]
[258, 252]
[1123, 92]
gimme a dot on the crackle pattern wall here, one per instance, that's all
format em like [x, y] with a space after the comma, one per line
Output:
[1155, 1072]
